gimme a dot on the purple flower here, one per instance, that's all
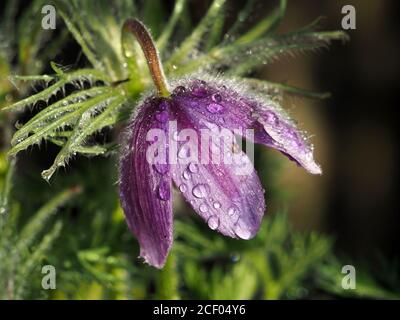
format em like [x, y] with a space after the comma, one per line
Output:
[230, 201]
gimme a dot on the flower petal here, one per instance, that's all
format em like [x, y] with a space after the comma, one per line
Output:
[227, 104]
[145, 187]
[229, 197]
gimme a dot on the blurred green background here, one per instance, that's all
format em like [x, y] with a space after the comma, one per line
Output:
[313, 226]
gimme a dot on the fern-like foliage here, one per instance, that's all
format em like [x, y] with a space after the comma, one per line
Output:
[23, 246]
[119, 75]
[24, 47]
[274, 265]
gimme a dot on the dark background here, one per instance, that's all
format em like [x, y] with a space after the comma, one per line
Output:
[360, 121]
[354, 130]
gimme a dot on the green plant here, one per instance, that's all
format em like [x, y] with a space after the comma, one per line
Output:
[23, 246]
[88, 242]
[119, 73]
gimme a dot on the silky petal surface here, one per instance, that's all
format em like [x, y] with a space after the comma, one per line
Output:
[228, 196]
[227, 106]
[145, 187]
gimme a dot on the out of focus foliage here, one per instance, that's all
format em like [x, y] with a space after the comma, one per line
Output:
[75, 223]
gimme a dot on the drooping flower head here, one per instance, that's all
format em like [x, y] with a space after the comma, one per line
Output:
[185, 136]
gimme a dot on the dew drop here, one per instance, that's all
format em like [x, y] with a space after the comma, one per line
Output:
[180, 90]
[203, 208]
[236, 148]
[216, 205]
[183, 187]
[175, 136]
[199, 92]
[18, 125]
[214, 107]
[186, 174]
[216, 97]
[235, 257]
[213, 222]
[183, 152]
[193, 167]
[200, 190]
[242, 233]
[271, 118]
[233, 212]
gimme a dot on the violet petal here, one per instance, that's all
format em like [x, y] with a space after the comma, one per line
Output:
[230, 202]
[145, 188]
[233, 109]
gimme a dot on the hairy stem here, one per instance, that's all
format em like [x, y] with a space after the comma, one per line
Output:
[146, 42]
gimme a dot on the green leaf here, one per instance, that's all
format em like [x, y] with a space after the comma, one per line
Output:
[193, 40]
[63, 78]
[265, 26]
[66, 119]
[84, 128]
[268, 87]
[56, 110]
[31, 230]
[162, 41]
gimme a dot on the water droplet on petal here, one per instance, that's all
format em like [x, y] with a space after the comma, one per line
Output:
[203, 208]
[214, 107]
[271, 117]
[183, 152]
[216, 205]
[175, 136]
[193, 167]
[164, 191]
[200, 190]
[183, 187]
[236, 148]
[242, 233]
[199, 92]
[180, 90]
[216, 97]
[186, 174]
[233, 212]
[213, 222]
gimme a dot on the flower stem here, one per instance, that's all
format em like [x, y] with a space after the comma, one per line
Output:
[146, 42]
[167, 280]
